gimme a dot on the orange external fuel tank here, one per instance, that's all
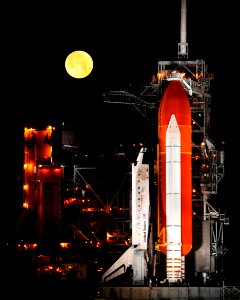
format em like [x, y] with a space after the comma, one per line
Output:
[175, 102]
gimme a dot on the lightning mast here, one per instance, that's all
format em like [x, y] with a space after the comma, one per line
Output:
[183, 45]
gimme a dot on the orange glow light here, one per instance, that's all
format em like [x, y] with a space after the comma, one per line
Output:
[25, 187]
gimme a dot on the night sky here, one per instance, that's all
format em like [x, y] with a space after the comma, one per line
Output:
[125, 41]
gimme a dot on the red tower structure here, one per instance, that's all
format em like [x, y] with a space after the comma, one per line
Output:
[42, 182]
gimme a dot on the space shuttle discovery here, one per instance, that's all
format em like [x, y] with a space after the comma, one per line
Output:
[174, 178]
[135, 257]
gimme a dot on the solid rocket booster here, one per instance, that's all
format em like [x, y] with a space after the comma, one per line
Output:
[173, 199]
[175, 177]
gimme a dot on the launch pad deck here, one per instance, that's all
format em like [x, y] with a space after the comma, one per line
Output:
[170, 293]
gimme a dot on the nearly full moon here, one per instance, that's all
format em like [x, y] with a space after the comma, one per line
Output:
[79, 64]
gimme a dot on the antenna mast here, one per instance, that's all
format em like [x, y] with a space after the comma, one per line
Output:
[183, 45]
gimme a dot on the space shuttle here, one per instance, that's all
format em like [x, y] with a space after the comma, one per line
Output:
[135, 258]
[174, 198]
[173, 222]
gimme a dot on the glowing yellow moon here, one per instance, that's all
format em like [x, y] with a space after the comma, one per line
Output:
[79, 64]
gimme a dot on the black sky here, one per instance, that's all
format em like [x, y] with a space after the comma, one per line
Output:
[125, 41]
